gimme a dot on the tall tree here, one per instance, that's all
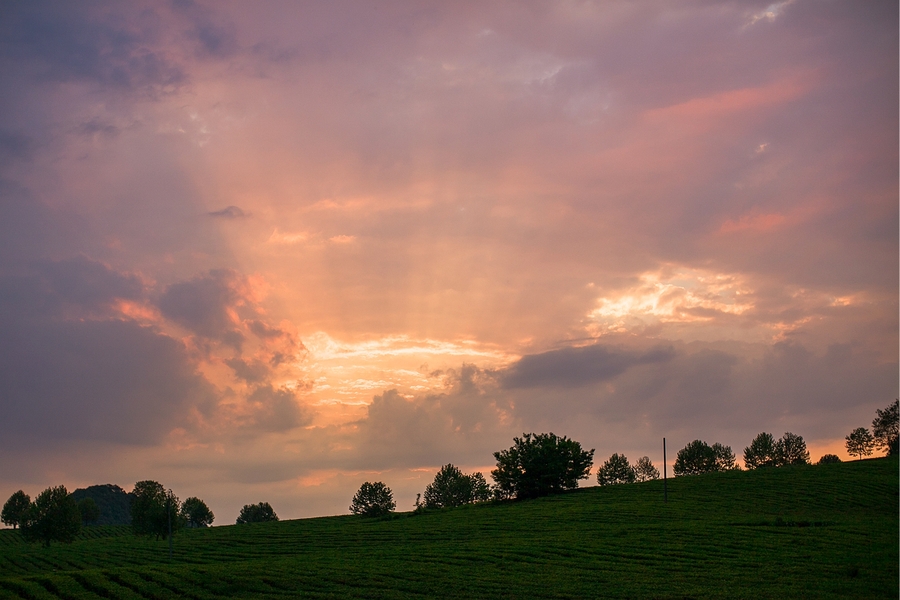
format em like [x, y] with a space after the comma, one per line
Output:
[616, 470]
[696, 458]
[539, 464]
[154, 509]
[53, 516]
[762, 452]
[373, 500]
[644, 469]
[724, 457]
[860, 442]
[15, 509]
[886, 428]
[791, 450]
[196, 513]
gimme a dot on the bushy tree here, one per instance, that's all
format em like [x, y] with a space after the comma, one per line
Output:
[481, 491]
[644, 469]
[696, 458]
[860, 442]
[616, 470]
[540, 464]
[791, 450]
[53, 516]
[828, 459]
[886, 428]
[256, 513]
[373, 500]
[89, 510]
[154, 510]
[762, 452]
[15, 509]
[724, 457]
[452, 487]
[196, 513]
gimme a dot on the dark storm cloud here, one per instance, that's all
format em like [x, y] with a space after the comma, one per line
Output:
[252, 371]
[201, 304]
[276, 409]
[574, 367]
[93, 380]
[61, 41]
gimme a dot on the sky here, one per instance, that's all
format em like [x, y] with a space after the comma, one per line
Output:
[267, 251]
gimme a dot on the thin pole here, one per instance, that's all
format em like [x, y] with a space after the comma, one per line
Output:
[665, 478]
[169, 513]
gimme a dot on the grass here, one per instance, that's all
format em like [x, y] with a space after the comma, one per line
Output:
[828, 531]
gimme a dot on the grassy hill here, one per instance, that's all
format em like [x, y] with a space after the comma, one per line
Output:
[827, 531]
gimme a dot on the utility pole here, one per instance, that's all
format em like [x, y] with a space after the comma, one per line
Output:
[665, 479]
[169, 514]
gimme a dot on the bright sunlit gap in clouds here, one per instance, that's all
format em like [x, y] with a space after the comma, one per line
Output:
[265, 251]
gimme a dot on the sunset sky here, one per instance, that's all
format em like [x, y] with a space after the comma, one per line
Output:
[267, 251]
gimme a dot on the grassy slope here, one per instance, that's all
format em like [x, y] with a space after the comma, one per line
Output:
[732, 535]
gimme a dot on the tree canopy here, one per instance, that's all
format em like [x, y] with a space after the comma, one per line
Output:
[452, 487]
[89, 510]
[644, 469]
[15, 509]
[828, 459]
[196, 513]
[616, 470]
[373, 500]
[540, 464]
[256, 513]
[860, 442]
[766, 451]
[153, 509]
[53, 516]
[886, 428]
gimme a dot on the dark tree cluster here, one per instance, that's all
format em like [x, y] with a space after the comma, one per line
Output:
[698, 457]
[766, 451]
[451, 487]
[885, 434]
[54, 516]
[261, 512]
[373, 500]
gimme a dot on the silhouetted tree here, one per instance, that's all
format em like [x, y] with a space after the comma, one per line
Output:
[89, 510]
[644, 469]
[53, 516]
[616, 470]
[256, 513]
[481, 491]
[791, 450]
[196, 513]
[860, 442]
[886, 428]
[762, 452]
[152, 509]
[695, 459]
[452, 487]
[15, 509]
[373, 500]
[828, 459]
[724, 457]
[540, 464]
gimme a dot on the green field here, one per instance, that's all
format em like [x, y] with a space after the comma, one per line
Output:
[827, 531]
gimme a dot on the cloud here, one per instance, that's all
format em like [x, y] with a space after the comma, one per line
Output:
[579, 366]
[205, 304]
[229, 212]
[60, 42]
[109, 381]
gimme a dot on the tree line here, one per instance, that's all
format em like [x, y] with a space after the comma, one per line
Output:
[537, 464]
